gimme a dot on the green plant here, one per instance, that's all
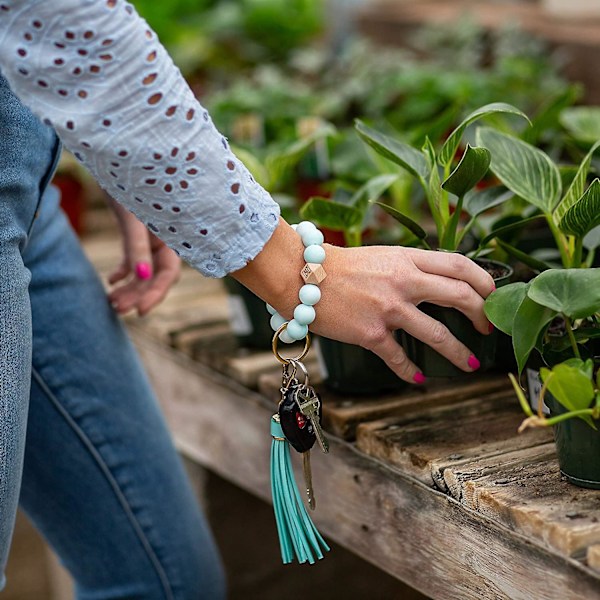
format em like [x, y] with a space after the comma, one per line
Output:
[557, 313]
[535, 178]
[347, 212]
[447, 184]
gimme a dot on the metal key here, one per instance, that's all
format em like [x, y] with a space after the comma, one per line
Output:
[310, 405]
[308, 480]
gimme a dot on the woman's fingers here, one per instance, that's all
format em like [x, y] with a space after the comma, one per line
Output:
[388, 349]
[455, 266]
[137, 249]
[437, 335]
[168, 269]
[458, 294]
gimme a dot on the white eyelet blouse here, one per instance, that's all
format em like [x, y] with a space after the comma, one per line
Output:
[94, 71]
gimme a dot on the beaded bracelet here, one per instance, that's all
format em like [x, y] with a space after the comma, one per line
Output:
[313, 274]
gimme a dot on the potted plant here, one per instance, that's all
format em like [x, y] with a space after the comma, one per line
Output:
[557, 313]
[571, 387]
[448, 184]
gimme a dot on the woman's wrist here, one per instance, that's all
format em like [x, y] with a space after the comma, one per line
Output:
[274, 274]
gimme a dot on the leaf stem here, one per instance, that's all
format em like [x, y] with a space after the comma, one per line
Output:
[559, 238]
[569, 415]
[572, 339]
[577, 252]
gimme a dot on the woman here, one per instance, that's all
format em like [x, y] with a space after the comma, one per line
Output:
[99, 475]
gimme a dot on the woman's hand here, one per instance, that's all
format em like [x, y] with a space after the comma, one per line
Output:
[371, 291]
[147, 271]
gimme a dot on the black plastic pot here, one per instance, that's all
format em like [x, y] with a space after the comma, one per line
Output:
[483, 347]
[350, 369]
[577, 446]
[249, 317]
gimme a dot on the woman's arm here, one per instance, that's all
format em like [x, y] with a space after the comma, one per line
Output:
[95, 71]
[372, 291]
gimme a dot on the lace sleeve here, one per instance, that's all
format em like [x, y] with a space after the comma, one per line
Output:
[95, 71]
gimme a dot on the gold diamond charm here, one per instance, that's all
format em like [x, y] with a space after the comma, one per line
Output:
[313, 273]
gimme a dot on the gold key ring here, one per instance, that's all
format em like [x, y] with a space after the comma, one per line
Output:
[283, 360]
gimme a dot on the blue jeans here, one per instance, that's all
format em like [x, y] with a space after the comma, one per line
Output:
[83, 445]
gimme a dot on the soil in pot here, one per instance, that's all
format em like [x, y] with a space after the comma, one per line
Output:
[248, 316]
[577, 446]
[353, 370]
[483, 347]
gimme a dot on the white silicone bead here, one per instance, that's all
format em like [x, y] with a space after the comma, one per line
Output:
[285, 337]
[304, 315]
[270, 309]
[312, 237]
[276, 321]
[314, 254]
[309, 294]
[296, 330]
[304, 227]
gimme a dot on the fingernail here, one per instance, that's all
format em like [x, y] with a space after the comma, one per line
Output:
[473, 362]
[419, 378]
[490, 327]
[493, 287]
[143, 270]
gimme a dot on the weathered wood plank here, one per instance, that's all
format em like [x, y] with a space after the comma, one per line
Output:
[419, 535]
[345, 413]
[426, 442]
[593, 557]
[207, 310]
[524, 490]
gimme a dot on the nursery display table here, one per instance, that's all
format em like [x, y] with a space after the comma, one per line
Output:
[431, 485]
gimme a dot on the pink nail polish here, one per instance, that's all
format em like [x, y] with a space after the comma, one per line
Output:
[419, 378]
[490, 327]
[143, 270]
[473, 362]
[493, 287]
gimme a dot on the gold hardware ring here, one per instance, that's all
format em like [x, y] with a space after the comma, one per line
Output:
[281, 359]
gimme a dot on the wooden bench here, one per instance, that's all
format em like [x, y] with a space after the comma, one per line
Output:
[434, 486]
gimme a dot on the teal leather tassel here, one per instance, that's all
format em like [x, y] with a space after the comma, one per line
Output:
[297, 533]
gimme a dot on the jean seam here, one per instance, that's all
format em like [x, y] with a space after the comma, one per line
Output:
[121, 497]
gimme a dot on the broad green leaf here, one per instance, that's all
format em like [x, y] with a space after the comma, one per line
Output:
[584, 215]
[574, 292]
[477, 202]
[577, 186]
[402, 154]
[570, 385]
[535, 263]
[332, 215]
[582, 122]
[411, 225]
[471, 169]
[372, 190]
[501, 306]
[522, 168]
[451, 144]
[530, 320]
